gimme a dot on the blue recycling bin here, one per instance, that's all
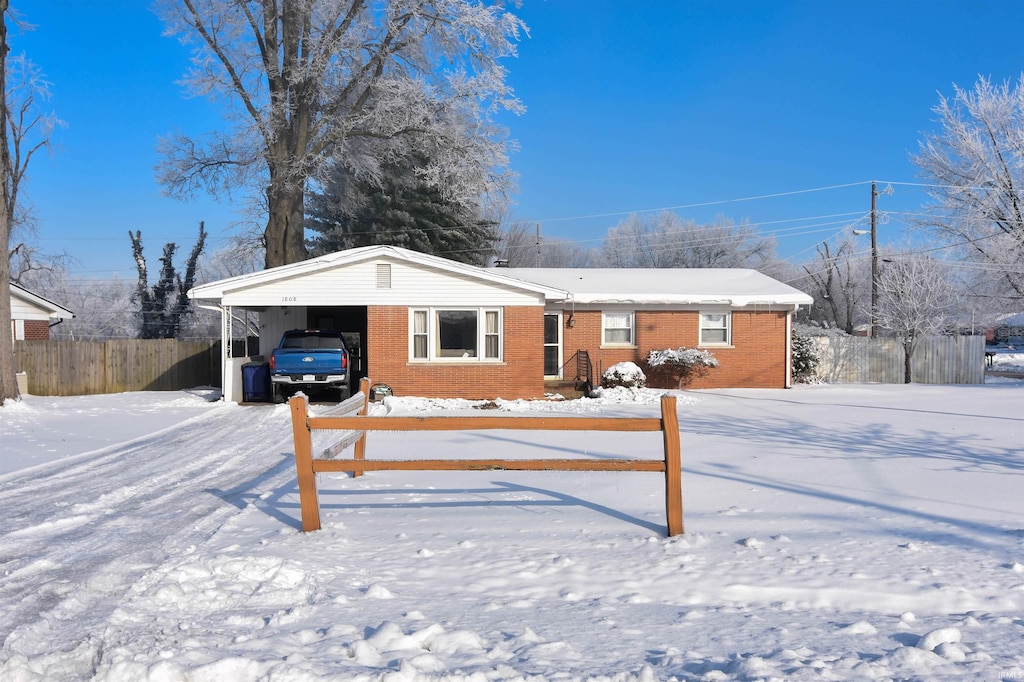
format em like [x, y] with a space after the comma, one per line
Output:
[256, 382]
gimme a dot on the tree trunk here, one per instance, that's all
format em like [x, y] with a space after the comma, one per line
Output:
[8, 379]
[908, 356]
[285, 233]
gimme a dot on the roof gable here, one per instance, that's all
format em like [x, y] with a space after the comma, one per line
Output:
[38, 302]
[216, 291]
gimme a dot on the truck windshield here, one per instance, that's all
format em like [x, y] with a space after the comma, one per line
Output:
[325, 341]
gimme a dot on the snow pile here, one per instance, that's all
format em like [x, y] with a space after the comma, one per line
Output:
[833, 532]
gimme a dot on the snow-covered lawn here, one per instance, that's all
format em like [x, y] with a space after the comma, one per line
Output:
[833, 532]
[1008, 360]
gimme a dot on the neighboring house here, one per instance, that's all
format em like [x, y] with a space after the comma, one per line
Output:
[32, 315]
[429, 326]
[1009, 329]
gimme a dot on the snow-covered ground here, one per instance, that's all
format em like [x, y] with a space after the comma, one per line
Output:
[833, 532]
[1007, 360]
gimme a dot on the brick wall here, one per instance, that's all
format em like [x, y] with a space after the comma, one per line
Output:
[37, 330]
[757, 358]
[521, 375]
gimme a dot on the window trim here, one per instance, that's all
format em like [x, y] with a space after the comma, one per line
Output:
[605, 343]
[433, 340]
[727, 315]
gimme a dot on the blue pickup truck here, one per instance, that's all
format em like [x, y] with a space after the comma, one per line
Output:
[310, 360]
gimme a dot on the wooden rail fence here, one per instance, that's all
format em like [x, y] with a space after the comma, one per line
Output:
[357, 426]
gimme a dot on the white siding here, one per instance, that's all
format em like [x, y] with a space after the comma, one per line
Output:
[356, 284]
[23, 310]
[276, 321]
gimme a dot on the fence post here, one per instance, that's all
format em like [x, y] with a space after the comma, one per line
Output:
[308, 502]
[673, 466]
[360, 449]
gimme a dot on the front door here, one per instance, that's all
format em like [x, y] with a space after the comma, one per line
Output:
[552, 345]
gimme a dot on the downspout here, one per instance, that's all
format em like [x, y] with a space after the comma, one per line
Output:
[789, 346]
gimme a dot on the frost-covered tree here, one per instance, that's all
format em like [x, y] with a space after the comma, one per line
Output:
[836, 279]
[314, 82]
[24, 130]
[917, 297]
[668, 241]
[401, 209]
[975, 162]
[521, 246]
[164, 306]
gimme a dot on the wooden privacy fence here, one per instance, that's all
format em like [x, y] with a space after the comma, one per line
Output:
[936, 360]
[351, 416]
[88, 367]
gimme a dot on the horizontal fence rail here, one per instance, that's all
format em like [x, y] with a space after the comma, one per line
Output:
[357, 426]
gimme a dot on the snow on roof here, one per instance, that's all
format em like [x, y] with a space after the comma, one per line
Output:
[217, 290]
[1015, 320]
[732, 286]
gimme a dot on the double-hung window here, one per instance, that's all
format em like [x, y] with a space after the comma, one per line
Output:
[617, 329]
[455, 334]
[715, 329]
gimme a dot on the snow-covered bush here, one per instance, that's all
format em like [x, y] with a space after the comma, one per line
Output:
[682, 364]
[805, 358]
[626, 374]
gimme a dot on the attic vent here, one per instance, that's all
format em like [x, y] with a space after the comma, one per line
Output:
[383, 275]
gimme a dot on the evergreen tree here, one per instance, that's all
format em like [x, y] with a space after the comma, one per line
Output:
[398, 209]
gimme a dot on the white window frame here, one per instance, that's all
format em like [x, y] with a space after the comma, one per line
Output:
[433, 340]
[631, 343]
[726, 316]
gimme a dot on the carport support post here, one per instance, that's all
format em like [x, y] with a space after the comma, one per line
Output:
[360, 449]
[304, 463]
[673, 466]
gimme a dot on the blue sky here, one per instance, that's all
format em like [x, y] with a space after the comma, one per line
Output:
[631, 106]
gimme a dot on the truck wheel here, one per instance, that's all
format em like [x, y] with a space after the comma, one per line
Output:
[277, 394]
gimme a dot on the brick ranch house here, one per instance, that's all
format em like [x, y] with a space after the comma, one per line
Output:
[32, 315]
[432, 327]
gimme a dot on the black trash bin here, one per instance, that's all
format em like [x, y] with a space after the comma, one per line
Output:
[256, 382]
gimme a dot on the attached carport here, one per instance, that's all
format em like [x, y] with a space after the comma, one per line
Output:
[244, 311]
[375, 296]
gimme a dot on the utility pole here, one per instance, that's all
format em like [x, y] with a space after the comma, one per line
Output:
[538, 245]
[873, 332]
[874, 263]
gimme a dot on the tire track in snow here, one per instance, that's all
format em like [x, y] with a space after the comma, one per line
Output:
[65, 567]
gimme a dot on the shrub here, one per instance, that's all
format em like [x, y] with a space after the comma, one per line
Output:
[682, 364]
[805, 358]
[626, 374]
